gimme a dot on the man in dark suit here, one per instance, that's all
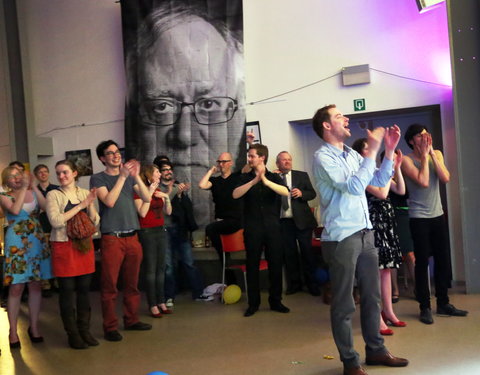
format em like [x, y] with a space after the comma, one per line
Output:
[297, 222]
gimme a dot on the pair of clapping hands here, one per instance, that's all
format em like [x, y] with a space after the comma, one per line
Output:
[391, 137]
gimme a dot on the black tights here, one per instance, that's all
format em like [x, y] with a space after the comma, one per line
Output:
[68, 287]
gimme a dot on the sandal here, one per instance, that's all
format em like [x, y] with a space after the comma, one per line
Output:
[395, 298]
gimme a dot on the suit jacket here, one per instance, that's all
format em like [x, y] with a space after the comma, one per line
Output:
[302, 214]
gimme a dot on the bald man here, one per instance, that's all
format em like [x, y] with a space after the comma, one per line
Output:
[228, 212]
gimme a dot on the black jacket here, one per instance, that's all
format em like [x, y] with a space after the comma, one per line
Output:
[302, 214]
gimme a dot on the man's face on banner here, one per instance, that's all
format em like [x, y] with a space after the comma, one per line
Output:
[188, 103]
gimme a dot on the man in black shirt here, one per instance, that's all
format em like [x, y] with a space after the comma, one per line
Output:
[42, 174]
[260, 191]
[228, 213]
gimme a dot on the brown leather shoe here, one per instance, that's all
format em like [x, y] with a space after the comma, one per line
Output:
[354, 371]
[386, 359]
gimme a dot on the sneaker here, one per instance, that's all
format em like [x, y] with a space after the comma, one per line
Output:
[450, 310]
[203, 298]
[139, 326]
[426, 316]
[169, 302]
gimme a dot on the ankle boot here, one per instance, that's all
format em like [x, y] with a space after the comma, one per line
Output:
[69, 323]
[83, 324]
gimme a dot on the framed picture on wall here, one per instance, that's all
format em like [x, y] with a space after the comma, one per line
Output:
[82, 160]
[254, 127]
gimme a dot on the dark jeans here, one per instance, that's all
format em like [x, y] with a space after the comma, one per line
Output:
[430, 238]
[354, 257]
[154, 244]
[179, 250]
[73, 293]
[295, 263]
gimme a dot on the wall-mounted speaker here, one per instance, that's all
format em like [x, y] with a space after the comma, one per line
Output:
[356, 75]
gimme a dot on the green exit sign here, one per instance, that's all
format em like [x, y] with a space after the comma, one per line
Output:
[359, 104]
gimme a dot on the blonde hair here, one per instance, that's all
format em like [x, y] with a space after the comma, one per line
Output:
[6, 173]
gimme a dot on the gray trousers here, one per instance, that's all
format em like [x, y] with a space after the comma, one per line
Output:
[355, 257]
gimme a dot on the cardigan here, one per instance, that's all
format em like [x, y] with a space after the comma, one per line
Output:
[57, 200]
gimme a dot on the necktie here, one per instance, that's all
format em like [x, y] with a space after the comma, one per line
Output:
[285, 205]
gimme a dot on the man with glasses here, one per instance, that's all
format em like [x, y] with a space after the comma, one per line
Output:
[179, 225]
[120, 249]
[186, 91]
[228, 211]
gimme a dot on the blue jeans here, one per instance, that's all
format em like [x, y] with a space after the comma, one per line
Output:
[179, 251]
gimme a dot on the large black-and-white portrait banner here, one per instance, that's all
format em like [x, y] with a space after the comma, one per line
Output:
[185, 86]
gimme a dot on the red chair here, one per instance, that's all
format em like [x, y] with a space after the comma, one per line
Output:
[234, 243]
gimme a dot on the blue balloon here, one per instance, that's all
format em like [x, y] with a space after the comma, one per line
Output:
[157, 373]
[321, 275]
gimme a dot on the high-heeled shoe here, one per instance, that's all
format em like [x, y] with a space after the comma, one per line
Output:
[165, 311]
[15, 345]
[155, 315]
[386, 332]
[34, 339]
[398, 323]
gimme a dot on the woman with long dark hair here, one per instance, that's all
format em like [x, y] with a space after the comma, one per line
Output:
[153, 237]
[382, 217]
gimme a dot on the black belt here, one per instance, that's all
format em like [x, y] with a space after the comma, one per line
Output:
[121, 234]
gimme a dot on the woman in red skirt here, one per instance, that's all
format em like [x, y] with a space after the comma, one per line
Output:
[73, 263]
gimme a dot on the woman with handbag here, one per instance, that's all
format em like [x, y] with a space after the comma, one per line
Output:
[153, 237]
[73, 217]
[27, 255]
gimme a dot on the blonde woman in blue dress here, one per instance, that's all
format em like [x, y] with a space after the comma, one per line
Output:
[27, 255]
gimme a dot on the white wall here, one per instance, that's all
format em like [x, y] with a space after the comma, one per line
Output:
[287, 47]
[5, 102]
[73, 59]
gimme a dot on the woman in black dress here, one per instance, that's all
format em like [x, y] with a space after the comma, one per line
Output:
[382, 217]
